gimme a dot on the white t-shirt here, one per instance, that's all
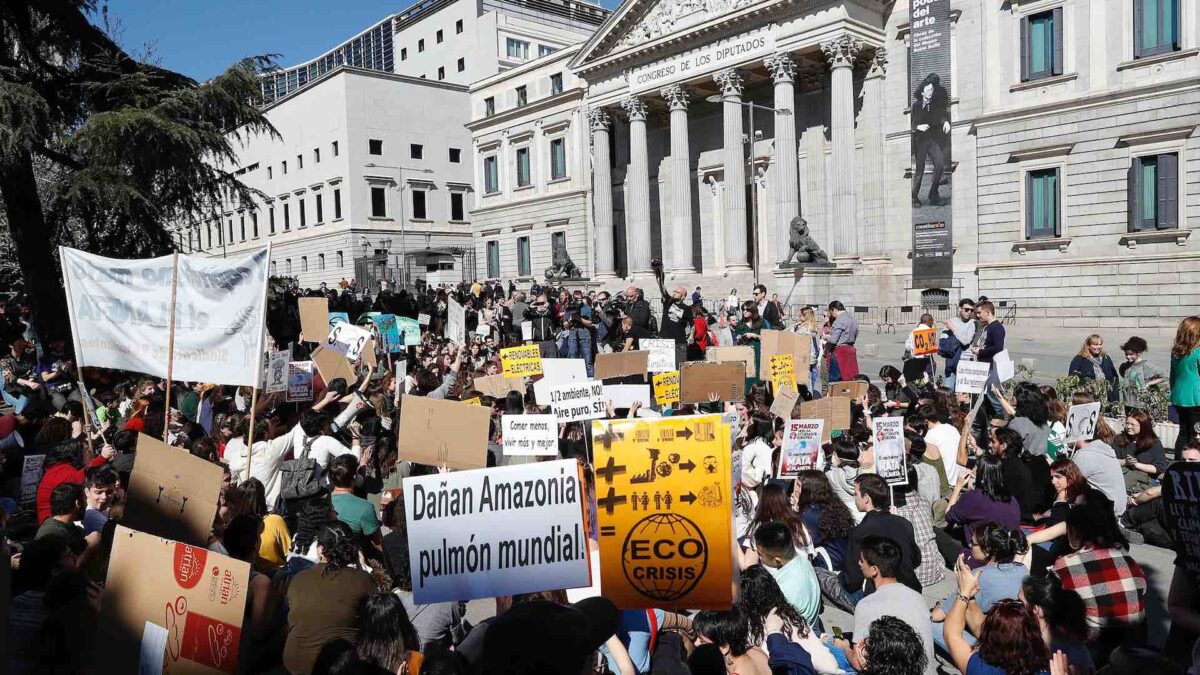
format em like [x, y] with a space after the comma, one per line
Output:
[264, 463]
[946, 438]
[903, 603]
[324, 448]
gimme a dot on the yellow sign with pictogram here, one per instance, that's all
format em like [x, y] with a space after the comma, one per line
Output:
[665, 512]
[666, 388]
[521, 361]
[783, 372]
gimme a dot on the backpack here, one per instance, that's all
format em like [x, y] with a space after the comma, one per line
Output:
[299, 477]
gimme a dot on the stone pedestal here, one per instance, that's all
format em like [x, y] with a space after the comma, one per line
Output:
[812, 284]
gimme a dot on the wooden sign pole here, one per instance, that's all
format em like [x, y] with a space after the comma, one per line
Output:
[171, 346]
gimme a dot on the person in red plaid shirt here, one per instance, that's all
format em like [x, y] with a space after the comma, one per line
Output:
[1111, 583]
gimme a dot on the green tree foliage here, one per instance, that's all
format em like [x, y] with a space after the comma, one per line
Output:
[100, 151]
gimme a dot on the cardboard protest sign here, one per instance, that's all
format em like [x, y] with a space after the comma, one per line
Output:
[499, 531]
[333, 365]
[663, 509]
[774, 342]
[801, 447]
[521, 361]
[971, 377]
[1082, 421]
[662, 355]
[172, 494]
[168, 607]
[741, 354]
[621, 364]
[1181, 505]
[122, 313]
[275, 379]
[526, 331]
[348, 340]
[31, 475]
[557, 371]
[438, 432]
[498, 386]
[574, 401]
[891, 461]
[783, 372]
[314, 318]
[422, 319]
[925, 342]
[623, 395]
[529, 435]
[300, 381]
[666, 388]
[784, 403]
[835, 412]
[697, 380]
[483, 329]
[854, 389]
[338, 317]
[456, 322]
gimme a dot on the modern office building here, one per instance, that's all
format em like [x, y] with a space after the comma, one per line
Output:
[372, 158]
[531, 143]
[1065, 177]
[365, 164]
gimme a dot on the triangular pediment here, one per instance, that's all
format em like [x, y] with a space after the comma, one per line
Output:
[639, 22]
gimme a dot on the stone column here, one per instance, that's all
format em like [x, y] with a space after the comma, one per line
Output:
[787, 174]
[637, 211]
[871, 230]
[841, 53]
[679, 175]
[602, 205]
[736, 254]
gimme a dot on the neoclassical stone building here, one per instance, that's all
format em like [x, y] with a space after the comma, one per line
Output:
[1075, 167]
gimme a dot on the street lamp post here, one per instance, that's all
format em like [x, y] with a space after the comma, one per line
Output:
[403, 228]
[717, 98]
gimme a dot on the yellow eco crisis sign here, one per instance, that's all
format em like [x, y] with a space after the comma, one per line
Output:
[664, 512]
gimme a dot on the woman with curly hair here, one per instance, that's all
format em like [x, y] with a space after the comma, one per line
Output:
[1010, 640]
[324, 600]
[760, 595]
[892, 647]
[825, 516]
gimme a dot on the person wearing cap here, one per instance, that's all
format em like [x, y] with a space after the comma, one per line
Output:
[539, 637]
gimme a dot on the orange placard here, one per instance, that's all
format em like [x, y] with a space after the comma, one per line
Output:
[925, 342]
[664, 512]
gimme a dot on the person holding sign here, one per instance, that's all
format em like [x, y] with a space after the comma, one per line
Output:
[919, 348]
[991, 345]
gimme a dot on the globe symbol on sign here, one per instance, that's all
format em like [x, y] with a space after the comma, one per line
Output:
[664, 556]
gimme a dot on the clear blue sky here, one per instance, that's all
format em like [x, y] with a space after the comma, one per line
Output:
[200, 38]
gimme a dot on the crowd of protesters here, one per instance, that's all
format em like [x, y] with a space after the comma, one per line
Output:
[1033, 532]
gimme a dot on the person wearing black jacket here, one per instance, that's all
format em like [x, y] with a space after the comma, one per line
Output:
[638, 309]
[541, 314]
[847, 586]
[931, 135]
[768, 310]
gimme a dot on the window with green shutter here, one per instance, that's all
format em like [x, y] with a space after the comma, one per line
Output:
[1155, 27]
[493, 259]
[522, 167]
[1043, 212]
[1042, 45]
[1154, 193]
[523, 264]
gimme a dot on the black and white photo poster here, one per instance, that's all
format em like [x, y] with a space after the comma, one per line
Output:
[929, 117]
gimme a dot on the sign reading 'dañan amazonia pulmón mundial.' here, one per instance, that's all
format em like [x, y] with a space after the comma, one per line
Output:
[710, 57]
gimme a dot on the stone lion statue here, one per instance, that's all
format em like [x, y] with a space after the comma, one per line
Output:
[563, 267]
[804, 249]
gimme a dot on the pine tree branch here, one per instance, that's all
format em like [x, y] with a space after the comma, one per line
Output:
[56, 156]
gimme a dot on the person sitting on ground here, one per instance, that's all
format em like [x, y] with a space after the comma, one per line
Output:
[1141, 453]
[760, 596]
[988, 500]
[794, 573]
[1027, 476]
[66, 508]
[540, 636]
[941, 441]
[847, 586]
[843, 469]
[1147, 515]
[1097, 460]
[1061, 617]
[880, 562]
[1110, 582]
[910, 505]
[64, 461]
[1000, 577]
[1010, 639]
[891, 647]
[730, 632]
[826, 519]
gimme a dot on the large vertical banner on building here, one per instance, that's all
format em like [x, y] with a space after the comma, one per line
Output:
[929, 80]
